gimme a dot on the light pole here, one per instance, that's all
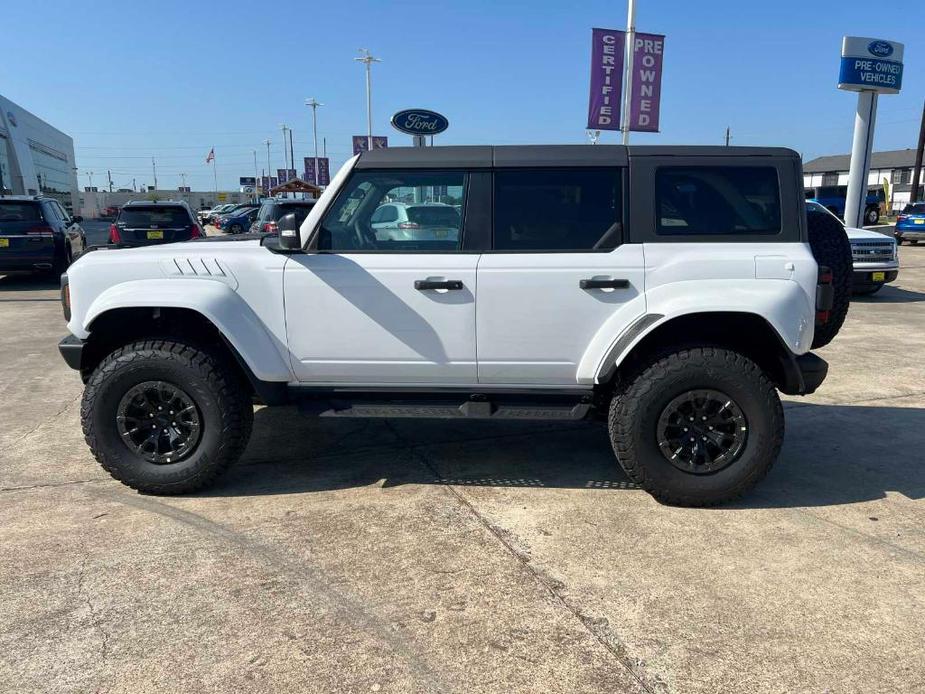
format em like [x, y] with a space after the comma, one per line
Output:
[313, 104]
[154, 170]
[256, 197]
[269, 175]
[284, 128]
[628, 71]
[367, 58]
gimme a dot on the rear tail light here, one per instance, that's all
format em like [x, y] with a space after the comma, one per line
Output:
[822, 316]
[114, 235]
[902, 218]
[409, 225]
[195, 232]
[825, 295]
[270, 227]
[825, 275]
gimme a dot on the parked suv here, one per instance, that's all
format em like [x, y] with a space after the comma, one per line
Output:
[833, 198]
[668, 291]
[38, 235]
[910, 224]
[399, 220]
[274, 209]
[144, 223]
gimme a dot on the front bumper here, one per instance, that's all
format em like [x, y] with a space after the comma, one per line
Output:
[865, 278]
[71, 349]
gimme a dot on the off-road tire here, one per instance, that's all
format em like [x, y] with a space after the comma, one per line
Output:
[640, 400]
[830, 246]
[216, 389]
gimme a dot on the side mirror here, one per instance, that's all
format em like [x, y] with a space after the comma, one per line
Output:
[289, 233]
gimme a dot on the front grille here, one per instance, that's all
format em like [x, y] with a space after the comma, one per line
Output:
[871, 251]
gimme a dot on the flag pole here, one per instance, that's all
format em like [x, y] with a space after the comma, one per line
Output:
[214, 175]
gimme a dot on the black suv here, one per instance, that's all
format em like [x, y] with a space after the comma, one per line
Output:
[271, 211]
[38, 235]
[144, 223]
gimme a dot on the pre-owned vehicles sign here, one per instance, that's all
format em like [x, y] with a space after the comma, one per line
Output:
[871, 64]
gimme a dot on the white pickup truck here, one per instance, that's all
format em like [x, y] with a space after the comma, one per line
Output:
[669, 291]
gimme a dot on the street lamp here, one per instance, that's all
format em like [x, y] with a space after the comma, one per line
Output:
[313, 104]
[267, 143]
[284, 128]
[367, 58]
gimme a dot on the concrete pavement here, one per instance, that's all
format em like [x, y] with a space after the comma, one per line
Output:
[406, 556]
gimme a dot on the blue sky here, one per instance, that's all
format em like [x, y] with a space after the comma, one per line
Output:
[172, 79]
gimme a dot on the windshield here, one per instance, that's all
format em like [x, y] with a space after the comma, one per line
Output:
[154, 216]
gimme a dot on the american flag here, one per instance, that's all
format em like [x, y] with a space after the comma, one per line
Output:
[211, 156]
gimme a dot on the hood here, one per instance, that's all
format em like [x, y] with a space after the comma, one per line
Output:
[864, 234]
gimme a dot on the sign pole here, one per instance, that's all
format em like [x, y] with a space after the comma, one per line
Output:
[628, 68]
[861, 148]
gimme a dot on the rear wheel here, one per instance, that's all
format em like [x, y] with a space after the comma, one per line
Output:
[698, 427]
[831, 248]
[236, 229]
[164, 417]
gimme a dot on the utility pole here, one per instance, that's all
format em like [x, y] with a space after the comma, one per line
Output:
[367, 58]
[628, 68]
[313, 104]
[154, 169]
[917, 170]
[133, 185]
[109, 174]
[728, 135]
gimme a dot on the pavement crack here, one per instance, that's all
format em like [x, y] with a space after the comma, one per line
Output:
[597, 627]
[96, 620]
[26, 487]
[45, 421]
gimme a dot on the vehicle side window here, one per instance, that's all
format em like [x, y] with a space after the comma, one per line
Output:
[266, 212]
[695, 200]
[62, 214]
[558, 210]
[432, 202]
[51, 212]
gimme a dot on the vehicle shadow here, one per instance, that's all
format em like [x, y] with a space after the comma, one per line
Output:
[28, 282]
[890, 295]
[834, 454]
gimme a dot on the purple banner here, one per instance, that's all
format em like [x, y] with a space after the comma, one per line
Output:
[268, 182]
[607, 49]
[648, 52]
[360, 143]
[324, 171]
[285, 175]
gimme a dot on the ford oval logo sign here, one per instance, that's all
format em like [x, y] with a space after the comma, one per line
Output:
[419, 121]
[881, 49]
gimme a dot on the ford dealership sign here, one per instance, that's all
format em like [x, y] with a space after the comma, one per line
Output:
[419, 121]
[871, 65]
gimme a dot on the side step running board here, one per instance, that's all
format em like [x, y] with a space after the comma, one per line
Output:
[444, 409]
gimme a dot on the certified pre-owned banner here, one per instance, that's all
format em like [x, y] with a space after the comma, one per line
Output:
[607, 49]
[648, 51]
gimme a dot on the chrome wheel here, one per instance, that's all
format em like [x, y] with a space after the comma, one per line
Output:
[701, 431]
[158, 422]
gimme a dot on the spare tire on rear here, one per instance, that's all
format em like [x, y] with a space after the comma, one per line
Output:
[830, 246]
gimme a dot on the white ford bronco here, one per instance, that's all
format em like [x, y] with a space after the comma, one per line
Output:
[669, 291]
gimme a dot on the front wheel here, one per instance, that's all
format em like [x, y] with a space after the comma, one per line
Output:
[236, 229]
[164, 417]
[698, 427]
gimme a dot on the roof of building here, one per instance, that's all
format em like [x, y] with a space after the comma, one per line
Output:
[892, 159]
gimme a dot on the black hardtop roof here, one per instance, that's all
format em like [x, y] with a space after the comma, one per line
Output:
[486, 156]
[155, 203]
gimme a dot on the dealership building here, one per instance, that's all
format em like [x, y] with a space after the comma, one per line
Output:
[35, 158]
[895, 166]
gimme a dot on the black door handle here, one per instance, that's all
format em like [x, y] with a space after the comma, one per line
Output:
[438, 284]
[603, 284]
